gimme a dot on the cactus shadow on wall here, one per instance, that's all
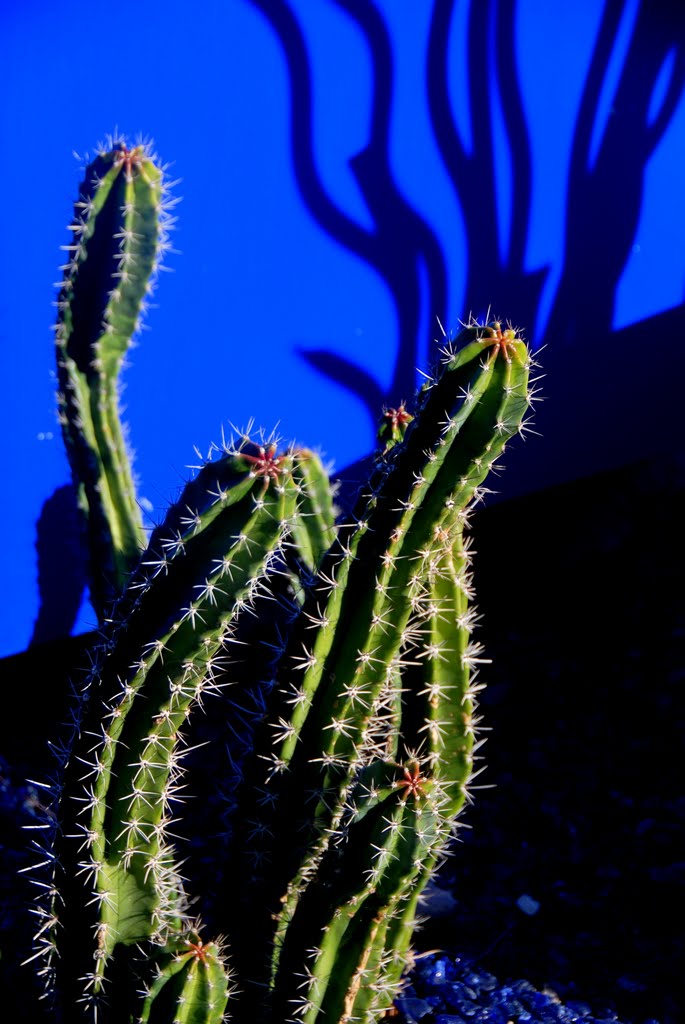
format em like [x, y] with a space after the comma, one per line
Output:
[62, 570]
[603, 204]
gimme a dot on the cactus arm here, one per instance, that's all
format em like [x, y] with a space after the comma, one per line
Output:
[442, 696]
[378, 615]
[366, 881]
[119, 238]
[362, 622]
[448, 694]
[358, 945]
[400, 523]
[314, 528]
[192, 986]
[201, 568]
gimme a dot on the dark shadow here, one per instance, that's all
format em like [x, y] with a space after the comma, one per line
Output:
[62, 566]
[401, 245]
[349, 375]
[495, 275]
[605, 190]
[41, 681]
[582, 807]
[612, 396]
[608, 399]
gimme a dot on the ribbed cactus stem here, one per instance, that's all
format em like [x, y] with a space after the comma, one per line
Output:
[314, 528]
[120, 234]
[373, 613]
[440, 715]
[415, 809]
[117, 872]
[191, 986]
[360, 889]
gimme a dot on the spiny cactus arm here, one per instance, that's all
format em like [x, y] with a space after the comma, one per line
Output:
[227, 544]
[447, 455]
[117, 873]
[357, 946]
[439, 692]
[340, 925]
[439, 716]
[393, 508]
[314, 528]
[358, 616]
[368, 961]
[468, 414]
[445, 485]
[191, 986]
[439, 720]
[120, 233]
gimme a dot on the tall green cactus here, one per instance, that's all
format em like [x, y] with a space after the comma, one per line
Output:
[374, 730]
[116, 877]
[120, 233]
[346, 713]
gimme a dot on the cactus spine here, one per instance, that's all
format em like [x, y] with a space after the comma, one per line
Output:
[349, 722]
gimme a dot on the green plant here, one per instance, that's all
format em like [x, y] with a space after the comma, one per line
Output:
[120, 233]
[336, 659]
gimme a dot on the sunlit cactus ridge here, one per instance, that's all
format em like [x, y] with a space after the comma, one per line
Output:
[334, 658]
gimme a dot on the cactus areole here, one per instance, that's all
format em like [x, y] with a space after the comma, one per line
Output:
[328, 656]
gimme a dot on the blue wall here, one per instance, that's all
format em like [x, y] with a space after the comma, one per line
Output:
[349, 171]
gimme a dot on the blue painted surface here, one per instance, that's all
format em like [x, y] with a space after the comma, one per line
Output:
[343, 254]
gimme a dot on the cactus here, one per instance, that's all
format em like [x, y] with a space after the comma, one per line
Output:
[338, 665]
[204, 562]
[120, 233]
[370, 743]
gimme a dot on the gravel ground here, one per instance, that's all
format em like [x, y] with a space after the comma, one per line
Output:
[569, 883]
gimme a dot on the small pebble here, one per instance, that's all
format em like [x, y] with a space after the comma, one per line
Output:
[527, 904]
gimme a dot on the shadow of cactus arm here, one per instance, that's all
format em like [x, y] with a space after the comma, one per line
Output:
[62, 566]
[349, 375]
